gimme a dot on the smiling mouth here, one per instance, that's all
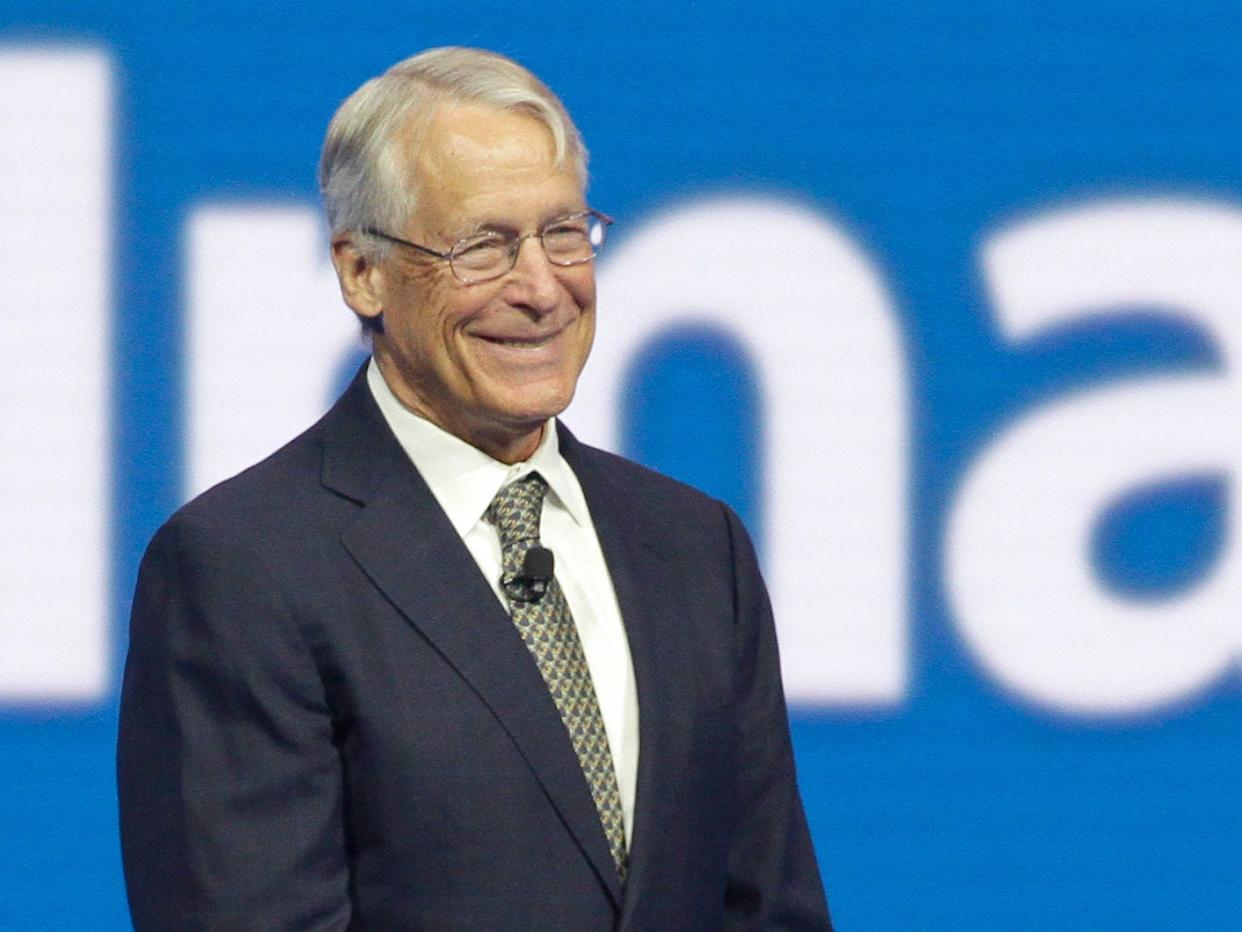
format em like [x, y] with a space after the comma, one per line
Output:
[521, 342]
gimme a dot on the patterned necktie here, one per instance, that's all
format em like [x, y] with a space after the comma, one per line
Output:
[551, 636]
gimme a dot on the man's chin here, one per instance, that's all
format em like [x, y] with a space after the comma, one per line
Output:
[509, 434]
[524, 406]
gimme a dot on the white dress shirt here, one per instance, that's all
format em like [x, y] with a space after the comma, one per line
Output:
[464, 481]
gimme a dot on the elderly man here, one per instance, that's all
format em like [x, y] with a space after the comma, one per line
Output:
[435, 664]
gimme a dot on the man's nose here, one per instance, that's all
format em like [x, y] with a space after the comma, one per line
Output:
[533, 277]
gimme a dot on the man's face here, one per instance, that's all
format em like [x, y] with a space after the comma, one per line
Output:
[489, 362]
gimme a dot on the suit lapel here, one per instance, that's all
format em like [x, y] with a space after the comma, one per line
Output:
[641, 562]
[405, 544]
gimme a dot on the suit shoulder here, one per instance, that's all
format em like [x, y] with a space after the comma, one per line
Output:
[270, 486]
[664, 495]
[293, 483]
[278, 510]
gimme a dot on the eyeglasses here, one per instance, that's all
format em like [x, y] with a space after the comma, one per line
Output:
[570, 240]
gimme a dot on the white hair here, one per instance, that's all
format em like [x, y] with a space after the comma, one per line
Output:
[370, 150]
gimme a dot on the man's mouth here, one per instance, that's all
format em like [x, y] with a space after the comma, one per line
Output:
[520, 342]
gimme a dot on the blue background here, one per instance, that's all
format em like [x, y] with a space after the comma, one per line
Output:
[924, 126]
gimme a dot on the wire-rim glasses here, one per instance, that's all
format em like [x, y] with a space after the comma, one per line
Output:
[570, 240]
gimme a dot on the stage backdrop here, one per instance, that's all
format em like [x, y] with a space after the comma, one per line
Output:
[945, 299]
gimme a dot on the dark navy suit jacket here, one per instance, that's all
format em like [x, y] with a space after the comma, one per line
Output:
[328, 720]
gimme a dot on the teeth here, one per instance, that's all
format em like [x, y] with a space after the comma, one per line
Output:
[504, 342]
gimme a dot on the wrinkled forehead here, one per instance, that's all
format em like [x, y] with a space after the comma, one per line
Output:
[482, 163]
[463, 137]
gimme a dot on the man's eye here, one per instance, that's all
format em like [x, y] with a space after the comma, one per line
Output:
[483, 242]
[485, 249]
[566, 237]
[567, 228]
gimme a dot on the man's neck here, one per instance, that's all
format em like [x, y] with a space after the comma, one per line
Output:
[505, 444]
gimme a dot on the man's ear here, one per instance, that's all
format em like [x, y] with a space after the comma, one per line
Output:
[360, 277]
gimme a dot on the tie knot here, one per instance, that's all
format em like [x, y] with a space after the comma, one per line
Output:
[516, 509]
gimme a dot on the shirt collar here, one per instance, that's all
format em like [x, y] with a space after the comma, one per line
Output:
[463, 478]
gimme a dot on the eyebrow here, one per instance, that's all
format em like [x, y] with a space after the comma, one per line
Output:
[489, 226]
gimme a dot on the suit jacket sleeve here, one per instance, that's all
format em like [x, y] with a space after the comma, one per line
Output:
[229, 783]
[773, 878]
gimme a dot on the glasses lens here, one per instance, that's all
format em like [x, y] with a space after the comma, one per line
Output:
[569, 241]
[574, 239]
[481, 258]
